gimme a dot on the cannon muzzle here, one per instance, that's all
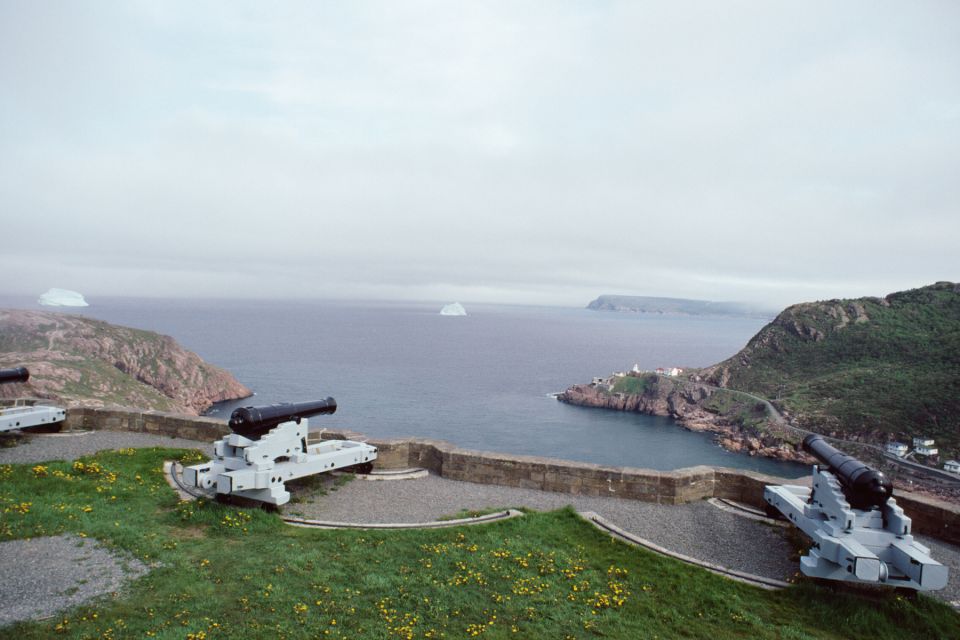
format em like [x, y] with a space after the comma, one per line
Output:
[253, 422]
[863, 486]
[17, 374]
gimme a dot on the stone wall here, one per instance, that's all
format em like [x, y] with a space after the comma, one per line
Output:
[156, 422]
[930, 516]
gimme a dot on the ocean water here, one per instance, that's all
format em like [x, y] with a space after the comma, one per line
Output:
[482, 381]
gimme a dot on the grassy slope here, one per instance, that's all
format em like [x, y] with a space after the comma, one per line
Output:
[226, 573]
[897, 372]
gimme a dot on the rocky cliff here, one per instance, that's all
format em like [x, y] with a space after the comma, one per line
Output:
[79, 361]
[694, 405]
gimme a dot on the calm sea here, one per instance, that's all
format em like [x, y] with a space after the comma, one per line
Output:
[482, 381]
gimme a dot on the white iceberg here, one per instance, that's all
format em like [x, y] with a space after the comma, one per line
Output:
[454, 309]
[62, 298]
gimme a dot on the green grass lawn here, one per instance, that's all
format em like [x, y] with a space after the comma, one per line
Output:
[221, 572]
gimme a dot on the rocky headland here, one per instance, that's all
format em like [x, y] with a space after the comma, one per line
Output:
[676, 306]
[866, 371]
[695, 406]
[79, 361]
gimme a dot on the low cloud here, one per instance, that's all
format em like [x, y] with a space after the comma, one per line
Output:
[499, 152]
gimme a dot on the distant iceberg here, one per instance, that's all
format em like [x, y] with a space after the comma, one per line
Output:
[62, 298]
[455, 309]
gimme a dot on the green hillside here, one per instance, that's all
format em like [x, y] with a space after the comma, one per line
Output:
[876, 368]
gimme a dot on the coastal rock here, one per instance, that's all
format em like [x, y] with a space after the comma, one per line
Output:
[683, 401]
[85, 362]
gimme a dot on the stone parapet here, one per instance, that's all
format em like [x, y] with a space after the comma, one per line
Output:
[156, 422]
[930, 516]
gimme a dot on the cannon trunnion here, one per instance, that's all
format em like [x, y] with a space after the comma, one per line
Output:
[268, 447]
[859, 533]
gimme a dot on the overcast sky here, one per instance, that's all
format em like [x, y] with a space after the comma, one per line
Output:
[541, 152]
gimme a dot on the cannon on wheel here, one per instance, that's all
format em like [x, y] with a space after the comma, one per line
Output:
[859, 533]
[268, 447]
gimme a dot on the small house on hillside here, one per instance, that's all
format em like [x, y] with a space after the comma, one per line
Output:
[952, 466]
[898, 449]
[924, 447]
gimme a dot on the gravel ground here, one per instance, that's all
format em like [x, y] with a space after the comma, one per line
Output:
[70, 446]
[42, 576]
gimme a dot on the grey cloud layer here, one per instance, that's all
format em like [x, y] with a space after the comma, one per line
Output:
[504, 151]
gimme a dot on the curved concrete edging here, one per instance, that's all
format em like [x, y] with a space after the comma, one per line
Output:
[171, 473]
[745, 511]
[436, 524]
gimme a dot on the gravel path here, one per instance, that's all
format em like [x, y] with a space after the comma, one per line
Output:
[70, 446]
[42, 576]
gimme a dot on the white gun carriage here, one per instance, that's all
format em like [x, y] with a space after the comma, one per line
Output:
[268, 447]
[859, 534]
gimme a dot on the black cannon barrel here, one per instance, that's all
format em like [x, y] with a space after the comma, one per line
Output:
[863, 486]
[253, 422]
[17, 374]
